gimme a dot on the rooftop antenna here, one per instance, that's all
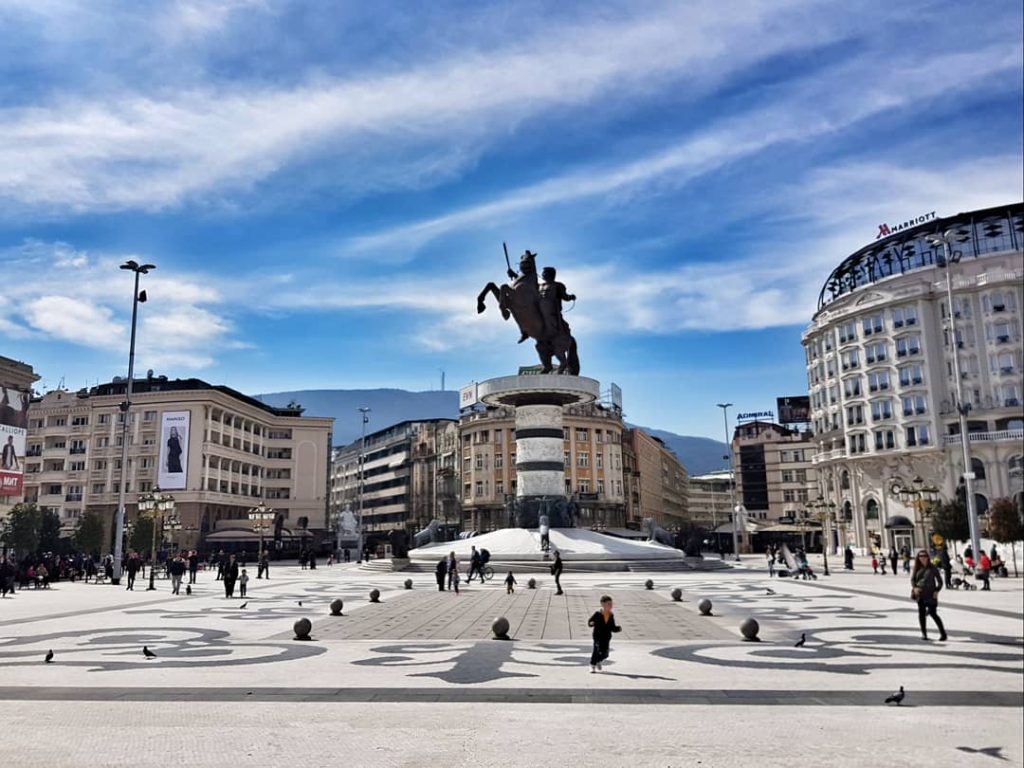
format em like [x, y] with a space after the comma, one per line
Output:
[442, 379]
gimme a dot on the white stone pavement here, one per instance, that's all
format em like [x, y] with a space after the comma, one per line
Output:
[381, 701]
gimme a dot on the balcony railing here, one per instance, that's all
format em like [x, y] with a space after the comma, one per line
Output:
[837, 453]
[1003, 435]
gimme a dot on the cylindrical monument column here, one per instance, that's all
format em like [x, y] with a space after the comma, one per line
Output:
[540, 452]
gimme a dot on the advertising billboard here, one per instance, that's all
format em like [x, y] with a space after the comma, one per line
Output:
[173, 470]
[468, 396]
[13, 429]
[794, 410]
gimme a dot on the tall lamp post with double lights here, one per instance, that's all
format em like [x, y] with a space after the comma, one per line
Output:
[155, 506]
[137, 298]
[261, 515]
[823, 511]
[736, 509]
[921, 497]
[365, 412]
[946, 239]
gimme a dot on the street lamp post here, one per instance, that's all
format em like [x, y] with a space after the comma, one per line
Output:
[362, 459]
[823, 512]
[732, 480]
[260, 514]
[921, 498]
[137, 298]
[155, 506]
[945, 240]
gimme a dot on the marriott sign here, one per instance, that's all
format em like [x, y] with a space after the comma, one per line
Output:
[884, 230]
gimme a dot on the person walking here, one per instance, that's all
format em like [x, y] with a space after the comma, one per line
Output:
[243, 579]
[771, 562]
[474, 565]
[440, 571]
[230, 576]
[603, 624]
[874, 563]
[848, 558]
[176, 568]
[510, 583]
[925, 585]
[193, 566]
[453, 573]
[7, 574]
[132, 569]
[893, 560]
[263, 567]
[556, 571]
[947, 567]
[905, 554]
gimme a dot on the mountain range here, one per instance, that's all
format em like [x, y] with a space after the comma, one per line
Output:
[391, 406]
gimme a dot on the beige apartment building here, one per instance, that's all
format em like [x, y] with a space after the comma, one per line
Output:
[775, 477]
[710, 499]
[657, 481]
[16, 380]
[217, 451]
[593, 436]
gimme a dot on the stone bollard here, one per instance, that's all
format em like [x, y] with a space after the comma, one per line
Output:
[302, 628]
[336, 606]
[531, 584]
[704, 606]
[374, 595]
[649, 584]
[677, 594]
[749, 629]
[408, 583]
[500, 628]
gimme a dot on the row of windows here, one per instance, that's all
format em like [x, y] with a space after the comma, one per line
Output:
[885, 439]
[582, 435]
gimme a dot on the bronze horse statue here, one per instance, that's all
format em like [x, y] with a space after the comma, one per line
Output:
[538, 314]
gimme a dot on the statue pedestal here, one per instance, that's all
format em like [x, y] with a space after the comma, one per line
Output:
[399, 563]
[537, 401]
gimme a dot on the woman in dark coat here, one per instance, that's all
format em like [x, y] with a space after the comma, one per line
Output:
[230, 577]
[926, 583]
[441, 572]
[174, 452]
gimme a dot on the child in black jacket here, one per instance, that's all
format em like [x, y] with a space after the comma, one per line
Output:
[603, 622]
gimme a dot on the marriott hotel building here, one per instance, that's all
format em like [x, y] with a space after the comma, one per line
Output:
[881, 375]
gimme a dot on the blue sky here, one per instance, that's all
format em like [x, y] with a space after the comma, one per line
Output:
[325, 187]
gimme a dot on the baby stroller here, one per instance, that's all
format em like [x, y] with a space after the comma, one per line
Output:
[964, 584]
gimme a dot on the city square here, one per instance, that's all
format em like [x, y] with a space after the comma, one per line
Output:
[418, 677]
[511, 384]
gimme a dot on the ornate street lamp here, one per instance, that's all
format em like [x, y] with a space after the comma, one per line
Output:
[921, 497]
[824, 512]
[261, 515]
[155, 506]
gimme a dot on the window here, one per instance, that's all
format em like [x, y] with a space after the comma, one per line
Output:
[103, 442]
[499, 487]
[881, 410]
[857, 444]
[789, 495]
[872, 324]
[978, 467]
[854, 414]
[787, 476]
[848, 332]
[498, 436]
[599, 458]
[802, 494]
[998, 301]
[871, 510]
[103, 418]
[600, 487]
[479, 487]
[875, 352]
[833, 394]
[851, 359]
[1007, 395]
[918, 435]
[913, 404]
[999, 332]
[149, 416]
[1002, 363]
[582, 435]
[908, 345]
[99, 487]
[77, 447]
[79, 421]
[904, 316]
[911, 375]
[499, 460]
[878, 381]
[99, 465]
[885, 439]
[479, 461]
[584, 486]
[801, 475]
[76, 466]
[583, 459]
[851, 387]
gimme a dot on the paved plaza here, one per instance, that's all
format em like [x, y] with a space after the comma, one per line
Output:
[416, 679]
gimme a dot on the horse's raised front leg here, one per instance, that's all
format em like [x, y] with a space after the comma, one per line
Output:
[489, 288]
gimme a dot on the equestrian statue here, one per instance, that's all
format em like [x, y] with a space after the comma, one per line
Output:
[537, 310]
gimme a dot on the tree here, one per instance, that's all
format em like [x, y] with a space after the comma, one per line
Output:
[21, 532]
[142, 536]
[1005, 525]
[49, 531]
[950, 521]
[89, 533]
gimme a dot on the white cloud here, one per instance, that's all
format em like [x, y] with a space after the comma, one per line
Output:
[69, 319]
[157, 150]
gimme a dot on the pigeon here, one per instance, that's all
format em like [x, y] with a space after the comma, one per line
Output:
[188, 589]
[148, 653]
[989, 751]
[896, 697]
[801, 641]
[49, 656]
[300, 603]
[769, 591]
[244, 604]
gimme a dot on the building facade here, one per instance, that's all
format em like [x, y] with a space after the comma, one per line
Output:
[217, 451]
[593, 448]
[881, 371]
[408, 477]
[710, 499]
[775, 477]
[16, 380]
[657, 482]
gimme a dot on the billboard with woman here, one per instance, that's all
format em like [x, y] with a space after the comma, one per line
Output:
[173, 470]
[13, 428]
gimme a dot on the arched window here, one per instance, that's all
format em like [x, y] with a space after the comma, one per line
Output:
[981, 504]
[844, 481]
[871, 510]
[847, 511]
[1016, 466]
[978, 468]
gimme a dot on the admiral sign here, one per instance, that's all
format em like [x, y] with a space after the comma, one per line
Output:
[755, 416]
[884, 230]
